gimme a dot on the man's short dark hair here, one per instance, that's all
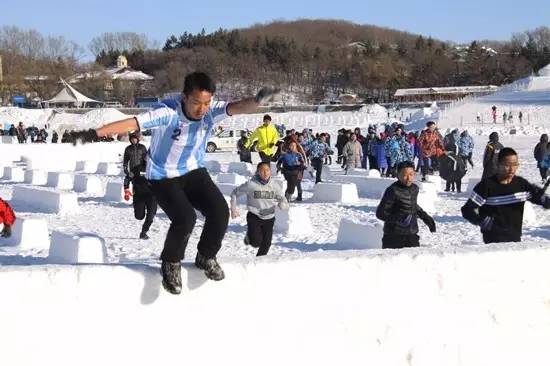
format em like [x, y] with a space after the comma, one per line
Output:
[430, 123]
[263, 163]
[507, 151]
[404, 165]
[267, 117]
[198, 81]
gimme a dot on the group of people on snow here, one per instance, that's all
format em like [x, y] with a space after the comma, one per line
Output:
[171, 174]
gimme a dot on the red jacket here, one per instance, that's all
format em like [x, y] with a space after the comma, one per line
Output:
[7, 216]
[430, 144]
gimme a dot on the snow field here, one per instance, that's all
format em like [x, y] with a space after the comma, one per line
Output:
[315, 298]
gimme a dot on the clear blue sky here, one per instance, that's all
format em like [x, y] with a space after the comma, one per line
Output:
[456, 20]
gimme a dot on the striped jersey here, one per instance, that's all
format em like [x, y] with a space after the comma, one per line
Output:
[178, 144]
[504, 203]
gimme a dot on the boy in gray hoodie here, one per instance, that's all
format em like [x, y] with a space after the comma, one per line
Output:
[261, 193]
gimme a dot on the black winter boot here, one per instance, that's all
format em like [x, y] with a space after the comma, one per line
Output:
[211, 268]
[171, 277]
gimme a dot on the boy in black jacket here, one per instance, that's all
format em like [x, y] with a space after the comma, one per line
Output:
[400, 211]
[497, 202]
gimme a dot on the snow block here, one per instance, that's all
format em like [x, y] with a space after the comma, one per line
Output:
[358, 171]
[335, 192]
[294, 221]
[426, 200]
[36, 177]
[529, 215]
[87, 184]
[60, 180]
[108, 169]
[79, 248]
[14, 174]
[9, 140]
[115, 192]
[457, 312]
[28, 234]
[367, 186]
[241, 168]
[213, 166]
[326, 174]
[46, 201]
[231, 178]
[434, 179]
[373, 173]
[87, 166]
[428, 187]
[354, 235]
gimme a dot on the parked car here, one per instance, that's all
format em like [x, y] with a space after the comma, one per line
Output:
[223, 140]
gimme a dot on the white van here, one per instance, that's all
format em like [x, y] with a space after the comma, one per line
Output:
[223, 140]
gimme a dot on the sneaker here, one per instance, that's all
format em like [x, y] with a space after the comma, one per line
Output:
[211, 268]
[143, 236]
[171, 277]
[423, 179]
[299, 198]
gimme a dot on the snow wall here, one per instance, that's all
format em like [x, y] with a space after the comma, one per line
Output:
[485, 305]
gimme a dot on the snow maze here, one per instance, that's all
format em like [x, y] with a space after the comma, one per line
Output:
[75, 274]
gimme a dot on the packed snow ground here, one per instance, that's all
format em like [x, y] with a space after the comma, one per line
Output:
[115, 222]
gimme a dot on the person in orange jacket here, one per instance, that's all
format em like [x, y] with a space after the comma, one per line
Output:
[431, 147]
[7, 217]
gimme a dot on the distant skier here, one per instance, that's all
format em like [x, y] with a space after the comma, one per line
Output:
[399, 210]
[144, 202]
[262, 195]
[497, 202]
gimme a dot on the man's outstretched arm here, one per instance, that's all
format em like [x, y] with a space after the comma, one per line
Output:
[250, 105]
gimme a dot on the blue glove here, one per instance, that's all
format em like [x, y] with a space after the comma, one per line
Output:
[486, 224]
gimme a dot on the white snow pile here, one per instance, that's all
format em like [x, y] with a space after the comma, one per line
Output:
[403, 307]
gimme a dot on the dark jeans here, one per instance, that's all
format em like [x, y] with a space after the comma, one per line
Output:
[293, 181]
[450, 185]
[317, 164]
[400, 241]
[246, 157]
[259, 233]
[144, 202]
[543, 171]
[373, 164]
[264, 157]
[145, 206]
[425, 166]
[493, 237]
[179, 197]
